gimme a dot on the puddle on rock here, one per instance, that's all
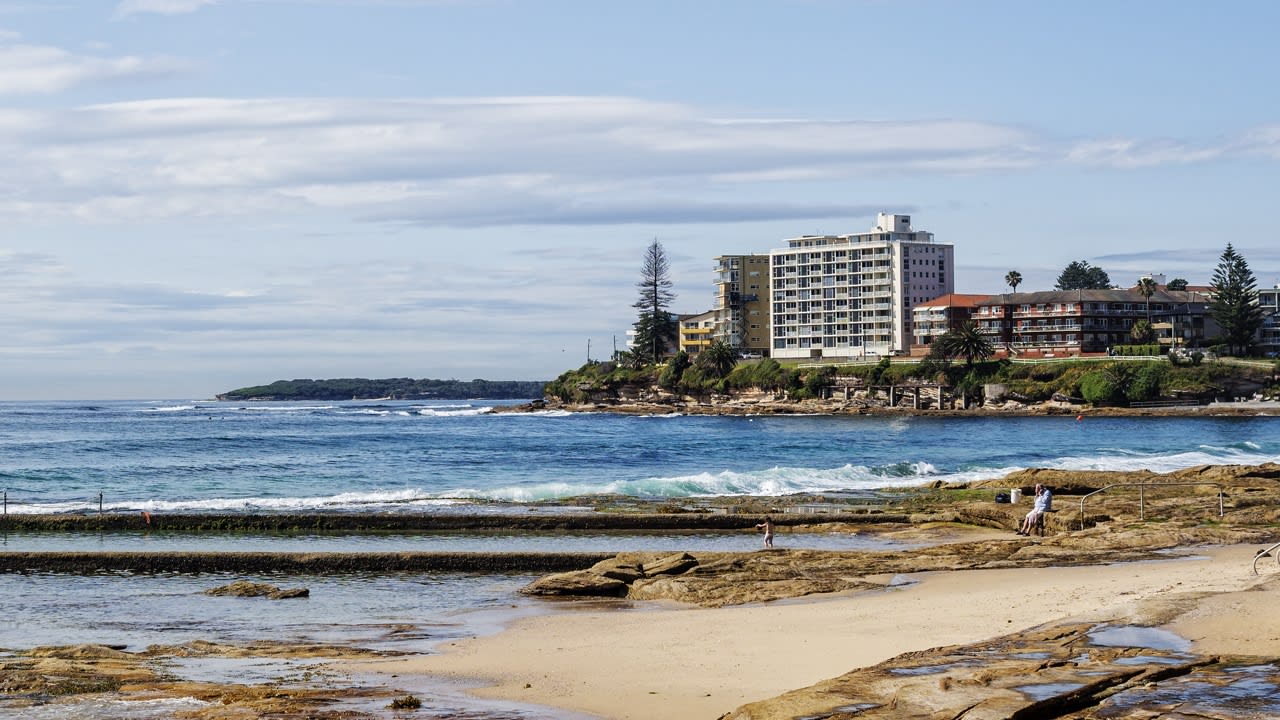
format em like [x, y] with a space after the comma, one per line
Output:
[1248, 692]
[1149, 660]
[1139, 636]
[243, 671]
[842, 710]
[1047, 690]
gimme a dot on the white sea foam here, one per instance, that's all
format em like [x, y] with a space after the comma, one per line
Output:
[457, 411]
[170, 408]
[375, 500]
[98, 706]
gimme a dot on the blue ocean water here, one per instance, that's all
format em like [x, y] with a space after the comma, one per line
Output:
[437, 457]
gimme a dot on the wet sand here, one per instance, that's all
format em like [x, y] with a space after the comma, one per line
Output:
[681, 662]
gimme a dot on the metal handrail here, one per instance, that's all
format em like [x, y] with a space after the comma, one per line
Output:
[1142, 501]
[1266, 552]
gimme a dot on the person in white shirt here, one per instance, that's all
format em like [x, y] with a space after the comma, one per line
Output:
[1044, 503]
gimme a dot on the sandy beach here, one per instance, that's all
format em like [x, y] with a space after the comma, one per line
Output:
[671, 661]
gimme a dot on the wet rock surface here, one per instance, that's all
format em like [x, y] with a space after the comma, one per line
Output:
[48, 675]
[1068, 670]
[244, 588]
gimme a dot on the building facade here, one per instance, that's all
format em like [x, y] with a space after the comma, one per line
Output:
[696, 332]
[1066, 322]
[938, 316]
[850, 296]
[1269, 333]
[742, 303]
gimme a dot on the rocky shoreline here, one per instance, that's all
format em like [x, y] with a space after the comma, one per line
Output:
[771, 405]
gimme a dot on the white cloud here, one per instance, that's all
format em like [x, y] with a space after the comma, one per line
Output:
[448, 161]
[1131, 153]
[40, 69]
[161, 7]
[501, 161]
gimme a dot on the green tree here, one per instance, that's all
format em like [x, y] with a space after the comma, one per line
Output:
[1142, 332]
[1235, 301]
[671, 375]
[1176, 284]
[1147, 288]
[1146, 383]
[719, 359]
[1080, 275]
[1013, 279]
[966, 341]
[656, 328]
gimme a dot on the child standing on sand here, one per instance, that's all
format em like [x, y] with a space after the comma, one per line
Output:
[767, 526]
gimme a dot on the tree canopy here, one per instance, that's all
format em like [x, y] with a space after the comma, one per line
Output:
[1146, 288]
[966, 341]
[1080, 275]
[1235, 301]
[1013, 279]
[656, 328]
[1176, 284]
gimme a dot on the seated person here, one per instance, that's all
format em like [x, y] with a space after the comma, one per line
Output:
[1044, 504]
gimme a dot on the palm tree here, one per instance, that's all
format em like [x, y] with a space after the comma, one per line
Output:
[966, 341]
[719, 358]
[1146, 288]
[1013, 279]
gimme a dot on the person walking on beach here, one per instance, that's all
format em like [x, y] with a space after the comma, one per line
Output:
[1044, 504]
[767, 526]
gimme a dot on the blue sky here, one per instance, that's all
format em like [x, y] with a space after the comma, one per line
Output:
[197, 195]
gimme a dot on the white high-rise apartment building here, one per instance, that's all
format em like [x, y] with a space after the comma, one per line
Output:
[850, 296]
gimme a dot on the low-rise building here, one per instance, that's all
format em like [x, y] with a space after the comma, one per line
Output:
[696, 332]
[1091, 321]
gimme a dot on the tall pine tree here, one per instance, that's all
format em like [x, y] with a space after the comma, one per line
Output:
[1235, 301]
[656, 328]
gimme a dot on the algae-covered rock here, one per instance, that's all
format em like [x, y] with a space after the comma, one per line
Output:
[244, 588]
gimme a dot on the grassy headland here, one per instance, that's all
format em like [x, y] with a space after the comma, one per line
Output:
[1101, 382]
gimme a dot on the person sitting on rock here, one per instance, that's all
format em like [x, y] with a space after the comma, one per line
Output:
[1044, 504]
[767, 526]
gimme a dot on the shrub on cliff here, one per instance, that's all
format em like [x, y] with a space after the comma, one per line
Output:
[669, 378]
[765, 375]
[1146, 382]
[1098, 389]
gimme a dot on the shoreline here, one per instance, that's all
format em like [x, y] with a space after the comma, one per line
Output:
[682, 662]
[785, 633]
[1246, 408]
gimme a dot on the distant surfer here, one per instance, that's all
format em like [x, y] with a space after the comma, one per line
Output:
[767, 526]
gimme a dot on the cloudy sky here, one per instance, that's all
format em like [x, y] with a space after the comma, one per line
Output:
[197, 195]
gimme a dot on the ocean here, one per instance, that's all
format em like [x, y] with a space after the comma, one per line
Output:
[163, 456]
[449, 457]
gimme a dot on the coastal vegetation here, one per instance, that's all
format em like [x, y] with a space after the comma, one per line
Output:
[389, 388]
[1104, 382]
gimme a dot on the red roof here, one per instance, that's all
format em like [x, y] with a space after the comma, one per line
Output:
[954, 300]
